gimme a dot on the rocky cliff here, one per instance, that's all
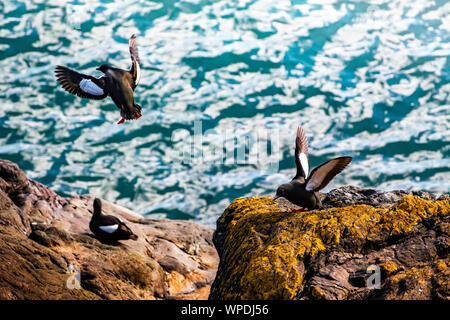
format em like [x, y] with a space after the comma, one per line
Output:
[364, 244]
[45, 240]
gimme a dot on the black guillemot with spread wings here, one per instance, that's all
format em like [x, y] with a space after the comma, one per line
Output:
[302, 190]
[117, 83]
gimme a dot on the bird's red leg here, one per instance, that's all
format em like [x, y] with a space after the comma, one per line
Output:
[140, 115]
[121, 121]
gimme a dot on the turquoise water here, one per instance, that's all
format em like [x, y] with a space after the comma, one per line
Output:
[369, 79]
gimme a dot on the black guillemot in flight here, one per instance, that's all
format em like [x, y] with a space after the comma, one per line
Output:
[117, 83]
[108, 228]
[302, 190]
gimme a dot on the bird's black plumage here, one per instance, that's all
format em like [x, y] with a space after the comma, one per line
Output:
[108, 228]
[302, 190]
[117, 83]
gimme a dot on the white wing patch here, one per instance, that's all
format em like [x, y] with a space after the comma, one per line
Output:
[304, 162]
[109, 229]
[138, 73]
[90, 87]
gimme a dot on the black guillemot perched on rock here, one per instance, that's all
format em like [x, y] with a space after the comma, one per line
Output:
[302, 190]
[117, 83]
[108, 228]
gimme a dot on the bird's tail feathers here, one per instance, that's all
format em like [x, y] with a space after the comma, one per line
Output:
[138, 109]
[133, 114]
[136, 112]
[134, 237]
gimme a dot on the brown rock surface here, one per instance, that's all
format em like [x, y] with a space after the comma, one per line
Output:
[42, 234]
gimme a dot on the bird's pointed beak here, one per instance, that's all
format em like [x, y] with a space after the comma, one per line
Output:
[275, 198]
[98, 69]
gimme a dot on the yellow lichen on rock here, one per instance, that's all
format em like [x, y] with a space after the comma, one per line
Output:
[317, 293]
[389, 266]
[415, 279]
[404, 215]
[442, 277]
[266, 247]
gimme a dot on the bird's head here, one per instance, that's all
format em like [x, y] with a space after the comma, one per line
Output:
[97, 207]
[103, 68]
[283, 191]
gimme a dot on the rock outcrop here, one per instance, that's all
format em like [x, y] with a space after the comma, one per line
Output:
[364, 244]
[45, 240]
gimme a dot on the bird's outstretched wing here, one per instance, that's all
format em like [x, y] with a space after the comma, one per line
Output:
[80, 84]
[324, 173]
[301, 154]
[135, 67]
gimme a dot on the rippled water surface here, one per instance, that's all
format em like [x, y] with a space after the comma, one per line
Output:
[369, 79]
